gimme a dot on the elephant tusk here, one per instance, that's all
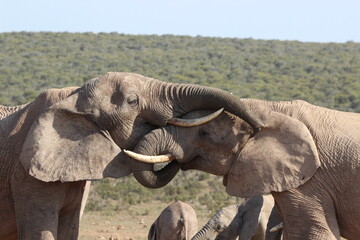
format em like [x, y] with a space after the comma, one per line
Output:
[196, 121]
[149, 159]
[277, 227]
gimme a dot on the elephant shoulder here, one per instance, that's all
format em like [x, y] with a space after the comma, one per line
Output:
[54, 95]
[16, 119]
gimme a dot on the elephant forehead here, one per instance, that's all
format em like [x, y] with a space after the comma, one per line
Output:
[121, 76]
[124, 87]
[124, 79]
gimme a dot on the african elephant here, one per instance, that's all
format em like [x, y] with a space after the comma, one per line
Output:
[252, 219]
[178, 221]
[50, 146]
[307, 156]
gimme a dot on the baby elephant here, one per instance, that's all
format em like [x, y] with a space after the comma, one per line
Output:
[252, 219]
[178, 221]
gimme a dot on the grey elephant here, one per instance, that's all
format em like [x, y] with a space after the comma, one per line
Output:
[253, 219]
[307, 156]
[178, 221]
[51, 146]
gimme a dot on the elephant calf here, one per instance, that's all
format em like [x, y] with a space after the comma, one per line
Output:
[178, 221]
[252, 219]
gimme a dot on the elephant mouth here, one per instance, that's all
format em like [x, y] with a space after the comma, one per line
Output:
[191, 164]
[159, 166]
[185, 166]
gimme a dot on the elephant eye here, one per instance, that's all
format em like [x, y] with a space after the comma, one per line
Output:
[132, 100]
[218, 227]
[203, 133]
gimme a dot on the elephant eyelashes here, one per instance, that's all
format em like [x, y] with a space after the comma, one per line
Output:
[132, 100]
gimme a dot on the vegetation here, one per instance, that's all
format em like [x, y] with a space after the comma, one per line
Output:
[326, 74]
[194, 187]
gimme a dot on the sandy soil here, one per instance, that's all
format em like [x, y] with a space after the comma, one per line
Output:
[127, 224]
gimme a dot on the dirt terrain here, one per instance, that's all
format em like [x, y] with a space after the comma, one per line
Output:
[127, 224]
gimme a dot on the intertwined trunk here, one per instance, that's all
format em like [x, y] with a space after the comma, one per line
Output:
[174, 100]
[155, 143]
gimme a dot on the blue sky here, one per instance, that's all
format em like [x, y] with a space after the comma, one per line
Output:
[302, 20]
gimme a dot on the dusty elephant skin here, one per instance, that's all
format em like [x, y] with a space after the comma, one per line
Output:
[178, 221]
[49, 147]
[308, 157]
[252, 219]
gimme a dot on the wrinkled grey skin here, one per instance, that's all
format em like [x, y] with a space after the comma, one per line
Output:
[250, 220]
[49, 147]
[307, 156]
[178, 221]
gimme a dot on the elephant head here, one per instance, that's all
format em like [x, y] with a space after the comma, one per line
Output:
[222, 223]
[281, 156]
[248, 220]
[81, 136]
[176, 221]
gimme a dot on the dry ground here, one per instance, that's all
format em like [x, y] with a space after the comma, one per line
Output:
[132, 223]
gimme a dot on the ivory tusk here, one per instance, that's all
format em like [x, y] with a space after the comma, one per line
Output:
[277, 227]
[149, 159]
[196, 121]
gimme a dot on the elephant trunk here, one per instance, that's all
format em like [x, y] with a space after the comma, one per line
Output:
[157, 179]
[154, 143]
[199, 235]
[174, 100]
[187, 98]
[204, 233]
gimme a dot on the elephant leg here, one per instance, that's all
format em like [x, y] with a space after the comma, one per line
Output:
[36, 209]
[274, 220]
[69, 223]
[7, 214]
[34, 221]
[307, 216]
[70, 215]
[38, 206]
[85, 197]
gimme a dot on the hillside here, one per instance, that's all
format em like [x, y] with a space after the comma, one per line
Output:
[323, 74]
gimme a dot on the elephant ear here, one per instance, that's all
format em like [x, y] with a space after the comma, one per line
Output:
[152, 232]
[249, 214]
[63, 145]
[283, 155]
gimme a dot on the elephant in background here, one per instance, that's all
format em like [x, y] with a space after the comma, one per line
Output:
[252, 219]
[178, 221]
[51, 146]
[307, 157]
